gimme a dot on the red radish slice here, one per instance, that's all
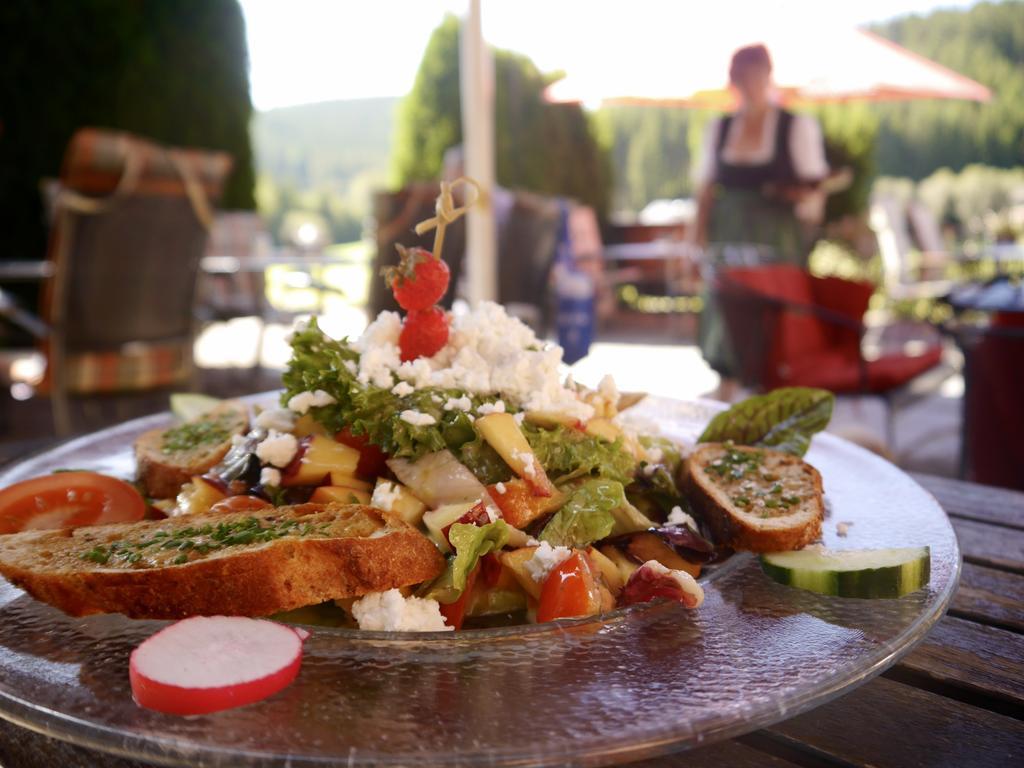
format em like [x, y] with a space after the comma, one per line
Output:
[209, 663]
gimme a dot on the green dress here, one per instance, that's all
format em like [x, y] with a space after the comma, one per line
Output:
[746, 227]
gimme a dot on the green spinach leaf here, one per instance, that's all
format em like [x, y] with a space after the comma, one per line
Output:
[785, 420]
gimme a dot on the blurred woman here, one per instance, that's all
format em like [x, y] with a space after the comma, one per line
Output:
[759, 180]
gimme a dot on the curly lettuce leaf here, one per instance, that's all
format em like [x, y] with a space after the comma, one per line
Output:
[320, 362]
[588, 515]
[784, 419]
[655, 490]
[470, 542]
[567, 454]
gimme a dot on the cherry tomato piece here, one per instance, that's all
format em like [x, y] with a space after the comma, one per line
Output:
[240, 504]
[570, 590]
[372, 460]
[420, 281]
[490, 569]
[455, 613]
[424, 333]
[68, 500]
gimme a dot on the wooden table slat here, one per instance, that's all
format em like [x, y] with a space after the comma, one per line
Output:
[990, 597]
[990, 545]
[886, 723]
[976, 502]
[984, 662]
[727, 754]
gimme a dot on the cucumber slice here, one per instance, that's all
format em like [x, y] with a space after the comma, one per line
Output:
[852, 573]
[188, 405]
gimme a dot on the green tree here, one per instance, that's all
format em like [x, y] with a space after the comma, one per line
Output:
[172, 70]
[546, 148]
[650, 151]
[986, 43]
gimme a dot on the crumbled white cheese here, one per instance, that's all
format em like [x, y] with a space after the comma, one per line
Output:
[302, 402]
[402, 389]
[351, 367]
[277, 449]
[843, 528]
[436, 399]
[678, 517]
[545, 558]
[270, 477]
[492, 511]
[500, 488]
[417, 418]
[527, 460]
[385, 494]
[378, 350]
[390, 612]
[650, 469]
[607, 390]
[488, 352]
[458, 404]
[276, 418]
[498, 406]
[519, 418]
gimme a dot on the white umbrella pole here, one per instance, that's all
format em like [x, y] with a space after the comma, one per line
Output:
[477, 93]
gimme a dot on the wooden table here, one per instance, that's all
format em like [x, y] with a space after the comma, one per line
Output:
[956, 700]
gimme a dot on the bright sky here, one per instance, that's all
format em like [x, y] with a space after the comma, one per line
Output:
[303, 51]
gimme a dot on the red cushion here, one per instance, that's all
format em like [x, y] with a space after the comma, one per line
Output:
[798, 333]
[848, 298]
[836, 371]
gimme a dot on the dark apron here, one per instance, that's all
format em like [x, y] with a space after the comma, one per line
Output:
[743, 213]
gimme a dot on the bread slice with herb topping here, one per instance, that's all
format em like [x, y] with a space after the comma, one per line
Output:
[756, 499]
[168, 458]
[243, 564]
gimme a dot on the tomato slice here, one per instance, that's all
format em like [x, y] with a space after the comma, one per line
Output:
[372, 460]
[455, 613]
[569, 590]
[241, 504]
[68, 500]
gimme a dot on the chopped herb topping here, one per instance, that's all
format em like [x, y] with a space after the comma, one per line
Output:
[734, 464]
[188, 437]
[202, 539]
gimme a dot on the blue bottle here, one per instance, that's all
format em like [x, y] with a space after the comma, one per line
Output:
[574, 291]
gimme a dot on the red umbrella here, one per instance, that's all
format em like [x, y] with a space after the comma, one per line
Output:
[664, 67]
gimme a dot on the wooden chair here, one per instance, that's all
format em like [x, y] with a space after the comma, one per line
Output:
[130, 226]
[911, 268]
[788, 328]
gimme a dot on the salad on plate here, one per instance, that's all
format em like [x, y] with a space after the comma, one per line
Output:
[441, 472]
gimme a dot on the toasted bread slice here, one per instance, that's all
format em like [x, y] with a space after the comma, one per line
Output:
[167, 458]
[756, 499]
[244, 564]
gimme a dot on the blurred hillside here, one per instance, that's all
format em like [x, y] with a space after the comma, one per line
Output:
[326, 158]
[332, 144]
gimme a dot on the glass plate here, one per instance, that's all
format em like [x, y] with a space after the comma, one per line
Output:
[631, 685]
